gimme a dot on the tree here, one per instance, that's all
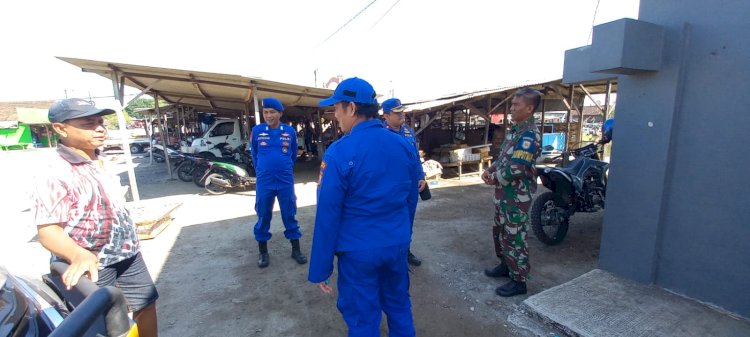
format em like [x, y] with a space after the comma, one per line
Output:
[110, 121]
[135, 107]
[133, 110]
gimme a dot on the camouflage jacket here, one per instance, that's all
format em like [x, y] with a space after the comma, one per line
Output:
[514, 168]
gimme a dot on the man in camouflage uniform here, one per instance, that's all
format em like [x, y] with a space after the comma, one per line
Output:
[514, 178]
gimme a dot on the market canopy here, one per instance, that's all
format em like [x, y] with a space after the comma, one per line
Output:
[209, 92]
[489, 101]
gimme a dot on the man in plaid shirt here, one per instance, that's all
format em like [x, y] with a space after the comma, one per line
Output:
[81, 217]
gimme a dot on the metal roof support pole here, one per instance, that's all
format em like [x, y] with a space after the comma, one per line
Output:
[487, 121]
[569, 115]
[580, 122]
[177, 123]
[245, 122]
[543, 108]
[255, 100]
[453, 127]
[164, 132]
[152, 138]
[606, 100]
[184, 122]
[319, 127]
[117, 88]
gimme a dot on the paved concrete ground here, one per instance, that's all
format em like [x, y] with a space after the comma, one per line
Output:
[204, 263]
[601, 304]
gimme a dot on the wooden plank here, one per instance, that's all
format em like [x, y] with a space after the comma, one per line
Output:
[501, 102]
[473, 109]
[430, 121]
[151, 218]
[197, 86]
[591, 98]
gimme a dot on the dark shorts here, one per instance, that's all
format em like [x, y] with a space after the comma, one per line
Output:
[132, 277]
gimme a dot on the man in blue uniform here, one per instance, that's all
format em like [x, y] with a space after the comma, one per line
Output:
[367, 197]
[607, 130]
[393, 113]
[274, 151]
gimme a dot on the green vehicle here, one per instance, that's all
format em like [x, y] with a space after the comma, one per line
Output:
[222, 176]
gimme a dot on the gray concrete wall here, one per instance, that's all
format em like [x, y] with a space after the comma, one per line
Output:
[677, 210]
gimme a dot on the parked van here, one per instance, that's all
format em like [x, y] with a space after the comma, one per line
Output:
[223, 130]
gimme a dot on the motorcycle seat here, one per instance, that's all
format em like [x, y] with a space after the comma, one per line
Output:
[573, 169]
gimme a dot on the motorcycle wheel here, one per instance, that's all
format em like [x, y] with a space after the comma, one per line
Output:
[158, 156]
[135, 148]
[185, 171]
[198, 172]
[549, 220]
[206, 154]
[214, 188]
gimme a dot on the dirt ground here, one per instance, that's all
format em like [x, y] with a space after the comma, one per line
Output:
[205, 269]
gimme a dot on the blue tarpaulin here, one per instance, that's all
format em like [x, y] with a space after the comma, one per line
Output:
[557, 140]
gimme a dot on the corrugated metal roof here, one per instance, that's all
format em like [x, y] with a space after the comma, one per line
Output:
[422, 107]
[207, 91]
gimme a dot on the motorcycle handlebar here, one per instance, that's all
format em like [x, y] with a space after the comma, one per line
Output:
[108, 300]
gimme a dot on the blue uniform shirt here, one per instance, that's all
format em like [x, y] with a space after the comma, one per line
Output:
[274, 152]
[411, 138]
[367, 195]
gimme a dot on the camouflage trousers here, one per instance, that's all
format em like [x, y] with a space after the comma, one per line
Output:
[509, 236]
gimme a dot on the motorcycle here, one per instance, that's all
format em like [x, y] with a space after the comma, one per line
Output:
[237, 156]
[46, 308]
[580, 186]
[222, 176]
[185, 168]
[175, 157]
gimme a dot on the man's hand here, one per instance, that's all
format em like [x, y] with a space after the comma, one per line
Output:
[325, 287]
[489, 177]
[84, 262]
[422, 184]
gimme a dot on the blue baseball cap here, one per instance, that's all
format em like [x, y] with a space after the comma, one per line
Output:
[393, 104]
[65, 109]
[273, 103]
[354, 90]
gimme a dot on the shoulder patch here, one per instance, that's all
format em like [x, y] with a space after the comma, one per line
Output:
[322, 169]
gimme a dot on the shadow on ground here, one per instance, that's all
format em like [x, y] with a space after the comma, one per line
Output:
[210, 284]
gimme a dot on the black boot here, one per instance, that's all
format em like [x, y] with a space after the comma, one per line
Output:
[511, 288]
[263, 257]
[413, 260]
[501, 270]
[297, 253]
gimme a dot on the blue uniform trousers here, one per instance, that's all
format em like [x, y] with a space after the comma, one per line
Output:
[372, 281]
[264, 200]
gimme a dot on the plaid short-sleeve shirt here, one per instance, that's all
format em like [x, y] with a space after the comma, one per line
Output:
[88, 202]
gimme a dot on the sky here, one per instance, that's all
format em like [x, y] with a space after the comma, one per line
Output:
[413, 49]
